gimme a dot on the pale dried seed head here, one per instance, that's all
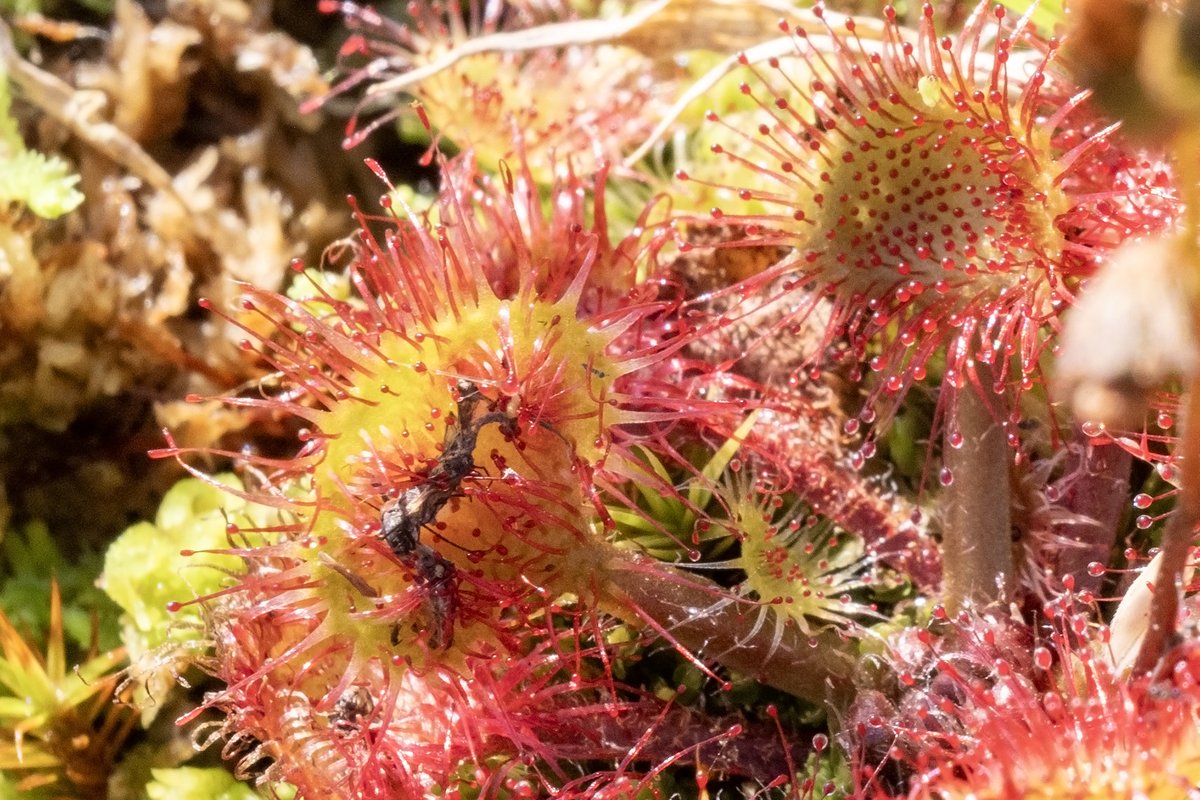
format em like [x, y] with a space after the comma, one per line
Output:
[1130, 333]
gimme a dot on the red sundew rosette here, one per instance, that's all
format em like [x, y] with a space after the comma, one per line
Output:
[947, 193]
[335, 726]
[1066, 725]
[501, 72]
[535, 312]
[494, 294]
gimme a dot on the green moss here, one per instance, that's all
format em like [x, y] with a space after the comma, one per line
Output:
[45, 184]
[29, 559]
[1048, 15]
[144, 570]
[194, 783]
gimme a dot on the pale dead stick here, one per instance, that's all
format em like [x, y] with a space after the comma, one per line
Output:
[683, 18]
[868, 31]
[654, 29]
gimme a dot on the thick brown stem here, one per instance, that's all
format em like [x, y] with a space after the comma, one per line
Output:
[740, 634]
[1180, 530]
[1177, 540]
[977, 562]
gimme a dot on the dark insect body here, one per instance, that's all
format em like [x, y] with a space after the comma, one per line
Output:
[419, 506]
[351, 710]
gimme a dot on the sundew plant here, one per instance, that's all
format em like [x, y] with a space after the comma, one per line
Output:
[569, 399]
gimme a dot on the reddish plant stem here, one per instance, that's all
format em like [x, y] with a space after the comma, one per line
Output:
[833, 490]
[1181, 528]
[754, 751]
[1096, 487]
[977, 561]
[713, 625]
[1176, 541]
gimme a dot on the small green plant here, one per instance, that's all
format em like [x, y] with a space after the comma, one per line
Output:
[60, 731]
[30, 561]
[197, 783]
[43, 184]
[153, 568]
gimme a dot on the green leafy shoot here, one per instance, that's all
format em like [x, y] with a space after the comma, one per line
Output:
[144, 571]
[197, 783]
[43, 184]
[1047, 16]
[666, 519]
[58, 724]
[29, 561]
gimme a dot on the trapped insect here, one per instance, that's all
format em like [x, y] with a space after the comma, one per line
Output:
[419, 506]
[351, 710]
